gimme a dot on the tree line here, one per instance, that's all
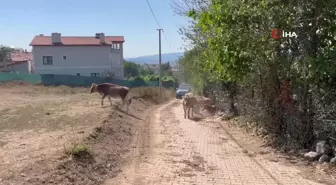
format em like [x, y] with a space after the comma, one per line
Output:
[5, 53]
[134, 71]
[285, 86]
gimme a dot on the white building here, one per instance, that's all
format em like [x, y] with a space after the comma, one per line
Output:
[76, 55]
[20, 61]
[154, 67]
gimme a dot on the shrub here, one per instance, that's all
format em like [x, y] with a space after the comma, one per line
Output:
[78, 150]
[153, 94]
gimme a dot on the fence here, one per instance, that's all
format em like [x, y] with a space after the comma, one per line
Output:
[75, 81]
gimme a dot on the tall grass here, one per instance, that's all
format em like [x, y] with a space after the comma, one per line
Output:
[153, 94]
[148, 93]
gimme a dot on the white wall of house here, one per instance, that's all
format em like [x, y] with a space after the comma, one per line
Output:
[20, 68]
[82, 60]
[31, 66]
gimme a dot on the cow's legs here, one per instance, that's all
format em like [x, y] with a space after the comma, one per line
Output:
[191, 112]
[184, 109]
[123, 103]
[189, 108]
[187, 112]
[128, 103]
[102, 101]
[109, 97]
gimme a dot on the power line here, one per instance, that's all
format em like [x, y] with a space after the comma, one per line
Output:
[150, 7]
[166, 39]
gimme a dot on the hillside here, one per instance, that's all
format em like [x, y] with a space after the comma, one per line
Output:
[154, 59]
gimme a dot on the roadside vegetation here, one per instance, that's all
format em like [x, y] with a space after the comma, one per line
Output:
[284, 87]
[143, 74]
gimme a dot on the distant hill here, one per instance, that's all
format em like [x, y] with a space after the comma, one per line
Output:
[154, 59]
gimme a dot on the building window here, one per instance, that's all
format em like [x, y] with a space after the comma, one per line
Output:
[64, 57]
[115, 46]
[95, 74]
[78, 74]
[47, 60]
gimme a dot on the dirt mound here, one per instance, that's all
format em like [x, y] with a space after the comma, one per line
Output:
[108, 144]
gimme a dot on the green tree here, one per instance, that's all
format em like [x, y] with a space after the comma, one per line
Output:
[144, 71]
[131, 69]
[5, 53]
[231, 43]
[166, 69]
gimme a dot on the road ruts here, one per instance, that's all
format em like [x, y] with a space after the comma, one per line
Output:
[181, 151]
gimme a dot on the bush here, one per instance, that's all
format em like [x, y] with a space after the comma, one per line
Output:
[168, 79]
[153, 94]
[78, 150]
[138, 78]
[151, 77]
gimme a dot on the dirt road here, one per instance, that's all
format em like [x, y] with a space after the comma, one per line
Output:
[182, 151]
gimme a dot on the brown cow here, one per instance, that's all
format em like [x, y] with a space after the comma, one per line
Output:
[212, 109]
[112, 90]
[202, 102]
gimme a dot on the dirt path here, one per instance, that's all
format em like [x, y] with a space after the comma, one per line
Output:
[174, 150]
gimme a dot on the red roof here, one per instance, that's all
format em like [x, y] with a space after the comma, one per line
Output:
[22, 56]
[75, 41]
[18, 58]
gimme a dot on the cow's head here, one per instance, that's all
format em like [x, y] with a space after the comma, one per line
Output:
[93, 88]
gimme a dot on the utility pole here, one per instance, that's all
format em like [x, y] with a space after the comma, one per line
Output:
[160, 78]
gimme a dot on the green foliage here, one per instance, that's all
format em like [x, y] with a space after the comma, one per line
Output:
[153, 77]
[136, 78]
[78, 150]
[194, 69]
[166, 69]
[137, 72]
[237, 40]
[5, 53]
[131, 69]
[168, 79]
[145, 71]
[231, 42]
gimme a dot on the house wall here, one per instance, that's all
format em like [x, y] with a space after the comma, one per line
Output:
[116, 56]
[31, 66]
[79, 59]
[20, 68]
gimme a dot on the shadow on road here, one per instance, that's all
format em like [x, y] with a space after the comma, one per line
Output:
[118, 108]
[196, 119]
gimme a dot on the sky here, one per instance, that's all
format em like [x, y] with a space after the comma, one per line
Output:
[21, 20]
